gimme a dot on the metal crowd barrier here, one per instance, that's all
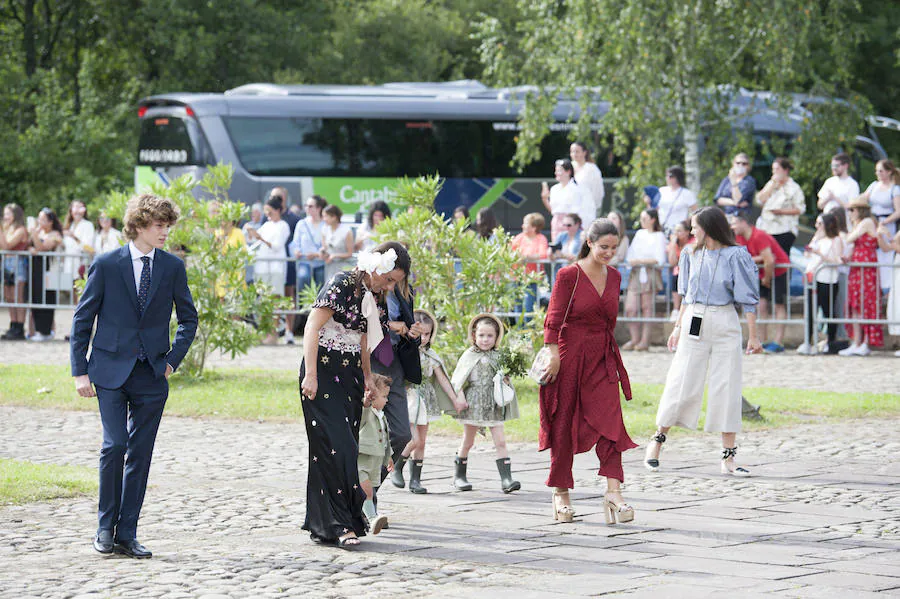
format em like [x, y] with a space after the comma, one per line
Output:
[843, 305]
[49, 281]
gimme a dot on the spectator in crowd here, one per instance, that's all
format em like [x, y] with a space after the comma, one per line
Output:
[296, 210]
[566, 197]
[782, 204]
[269, 243]
[570, 240]
[108, 238]
[716, 278]
[337, 239]
[531, 245]
[307, 244]
[651, 196]
[14, 238]
[378, 212]
[840, 188]
[887, 244]
[78, 240]
[773, 283]
[736, 191]
[290, 273]
[884, 198]
[646, 254]
[46, 236]
[461, 213]
[680, 237]
[588, 175]
[619, 260]
[676, 202]
[255, 222]
[825, 251]
[863, 290]
[486, 223]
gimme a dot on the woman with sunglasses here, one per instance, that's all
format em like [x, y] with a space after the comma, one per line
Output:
[736, 191]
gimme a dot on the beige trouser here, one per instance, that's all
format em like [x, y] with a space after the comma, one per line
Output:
[718, 356]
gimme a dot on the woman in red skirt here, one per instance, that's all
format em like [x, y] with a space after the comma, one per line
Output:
[580, 405]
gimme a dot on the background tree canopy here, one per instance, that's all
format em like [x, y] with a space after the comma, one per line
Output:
[74, 69]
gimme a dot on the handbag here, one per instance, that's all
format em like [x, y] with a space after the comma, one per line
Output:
[504, 394]
[542, 359]
[408, 355]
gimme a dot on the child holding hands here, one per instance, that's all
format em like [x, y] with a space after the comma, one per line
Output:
[425, 403]
[374, 449]
[473, 381]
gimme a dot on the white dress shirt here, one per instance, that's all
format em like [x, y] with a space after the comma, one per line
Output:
[137, 265]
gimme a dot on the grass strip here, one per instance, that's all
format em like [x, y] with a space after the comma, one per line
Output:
[25, 482]
[274, 395]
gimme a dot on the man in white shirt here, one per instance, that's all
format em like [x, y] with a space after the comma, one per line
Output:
[840, 188]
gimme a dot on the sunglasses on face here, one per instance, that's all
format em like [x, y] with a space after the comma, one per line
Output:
[740, 162]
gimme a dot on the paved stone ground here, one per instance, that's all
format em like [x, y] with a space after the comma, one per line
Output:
[820, 516]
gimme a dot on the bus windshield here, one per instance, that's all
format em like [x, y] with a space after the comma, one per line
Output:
[169, 140]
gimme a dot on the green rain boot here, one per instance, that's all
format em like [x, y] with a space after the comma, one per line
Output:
[459, 474]
[415, 475]
[397, 473]
[506, 480]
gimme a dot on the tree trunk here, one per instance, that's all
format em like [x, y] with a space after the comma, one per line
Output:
[692, 156]
[28, 38]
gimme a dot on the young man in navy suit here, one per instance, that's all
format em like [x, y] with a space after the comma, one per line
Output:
[130, 293]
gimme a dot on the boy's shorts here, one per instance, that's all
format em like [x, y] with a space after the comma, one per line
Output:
[369, 467]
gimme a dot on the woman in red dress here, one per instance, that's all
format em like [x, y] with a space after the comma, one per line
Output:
[863, 290]
[580, 406]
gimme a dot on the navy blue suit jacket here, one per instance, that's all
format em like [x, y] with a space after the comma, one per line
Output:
[110, 297]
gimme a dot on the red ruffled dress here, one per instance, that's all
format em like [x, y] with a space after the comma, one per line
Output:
[582, 409]
[863, 291]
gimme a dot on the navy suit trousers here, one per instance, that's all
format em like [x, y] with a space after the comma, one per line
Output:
[130, 416]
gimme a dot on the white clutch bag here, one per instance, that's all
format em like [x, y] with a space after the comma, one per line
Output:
[539, 365]
[503, 394]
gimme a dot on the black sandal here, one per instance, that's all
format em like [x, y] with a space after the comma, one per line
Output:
[652, 464]
[731, 452]
[348, 542]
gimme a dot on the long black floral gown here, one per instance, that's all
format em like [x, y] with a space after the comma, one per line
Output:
[334, 498]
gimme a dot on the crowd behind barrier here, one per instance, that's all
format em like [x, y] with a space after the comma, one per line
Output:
[55, 274]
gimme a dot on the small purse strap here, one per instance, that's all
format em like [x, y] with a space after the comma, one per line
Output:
[574, 287]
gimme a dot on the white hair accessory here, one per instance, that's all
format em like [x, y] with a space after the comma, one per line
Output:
[377, 262]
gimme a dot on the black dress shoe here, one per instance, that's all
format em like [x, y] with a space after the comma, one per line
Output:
[132, 549]
[103, 541]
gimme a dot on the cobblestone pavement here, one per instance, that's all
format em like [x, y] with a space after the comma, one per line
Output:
[820, 517]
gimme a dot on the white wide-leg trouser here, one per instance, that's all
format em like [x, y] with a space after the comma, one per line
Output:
[716, 356]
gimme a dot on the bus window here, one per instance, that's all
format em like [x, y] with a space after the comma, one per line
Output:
[281, 146]
[170, 141]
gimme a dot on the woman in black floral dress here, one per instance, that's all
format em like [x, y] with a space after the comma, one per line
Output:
[347, 321]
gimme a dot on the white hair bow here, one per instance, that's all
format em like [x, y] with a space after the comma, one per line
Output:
[377, 262]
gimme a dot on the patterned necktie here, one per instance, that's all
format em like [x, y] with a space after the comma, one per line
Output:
[143, 290]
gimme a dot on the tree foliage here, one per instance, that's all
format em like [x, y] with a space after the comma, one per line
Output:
[73, 70]
[490, 278]
[669, 71]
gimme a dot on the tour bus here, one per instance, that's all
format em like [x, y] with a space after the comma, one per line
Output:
[350, 144]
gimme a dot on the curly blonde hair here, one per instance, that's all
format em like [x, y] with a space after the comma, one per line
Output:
[145, 209]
